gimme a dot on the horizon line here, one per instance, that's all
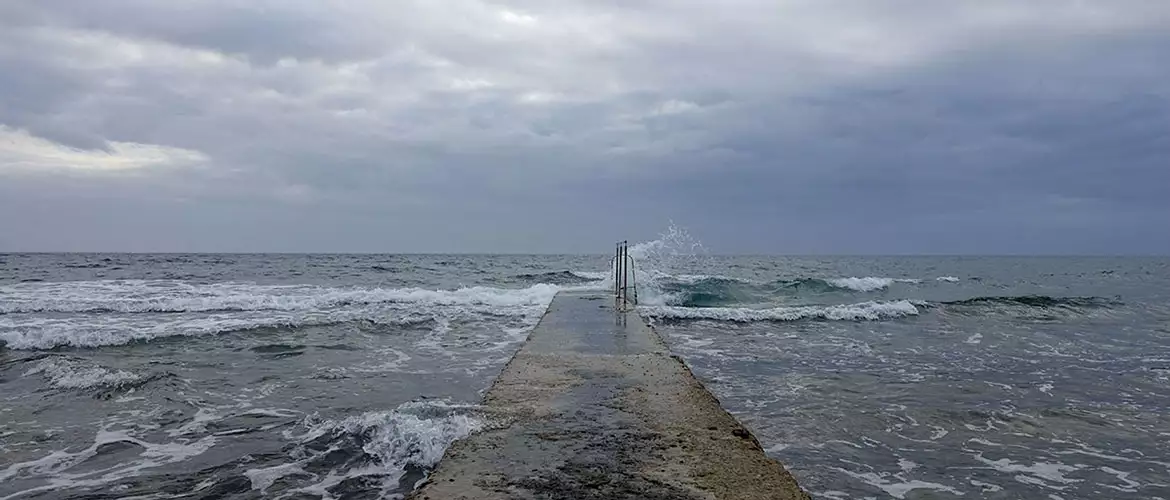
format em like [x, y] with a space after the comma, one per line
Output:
[570, 254]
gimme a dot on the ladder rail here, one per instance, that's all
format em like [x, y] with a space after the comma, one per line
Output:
[624, 276]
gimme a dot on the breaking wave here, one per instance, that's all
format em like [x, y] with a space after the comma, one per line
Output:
[163, 296]
[716, 291]
[391, 451]
[861, 284]
[876, 311]
[562, 277]
[702, 291]
[90, 331]
[63, 469]
[73, 373]
[103, 313]
[865, 311]
[377, 454]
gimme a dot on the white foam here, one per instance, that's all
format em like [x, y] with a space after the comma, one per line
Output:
[974, 339]
[131, 310]
[1083, 449]
[414, 434]
[402, 439]
[894, 485]
[139, 296]
[869, 284]
[1130, 485]
[938, 433]
[388, 360]
[95, 331]
[853, 312]
[776, 448]
[198, 423]
[691, 279]
[987, 487]
[271, 412]
[55, 468]
[73, 373]
[263, 478]
[321, 488]
[1039, 473]
[947, 279]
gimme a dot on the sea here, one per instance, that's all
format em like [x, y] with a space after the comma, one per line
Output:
[347, 376]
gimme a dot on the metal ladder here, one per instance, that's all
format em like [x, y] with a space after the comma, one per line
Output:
[624, 277]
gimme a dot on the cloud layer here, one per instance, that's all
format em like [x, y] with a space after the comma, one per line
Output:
[797, 126]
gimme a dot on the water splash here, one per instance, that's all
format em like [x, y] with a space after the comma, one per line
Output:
[674, 252]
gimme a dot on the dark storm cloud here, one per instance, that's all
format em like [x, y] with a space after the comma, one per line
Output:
[464, 125]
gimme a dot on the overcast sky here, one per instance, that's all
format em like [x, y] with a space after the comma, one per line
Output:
[782, 126]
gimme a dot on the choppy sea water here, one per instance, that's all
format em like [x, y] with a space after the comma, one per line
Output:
[347, 376]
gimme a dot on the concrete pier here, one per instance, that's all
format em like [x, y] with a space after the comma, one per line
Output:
[593, 406]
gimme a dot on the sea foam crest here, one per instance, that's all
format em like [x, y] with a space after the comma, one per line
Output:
[71, 373]
[871, 311]
[861, 284]
[415, 435]
[57, 469]
[102, 313]
[138, 296]
[692, 279]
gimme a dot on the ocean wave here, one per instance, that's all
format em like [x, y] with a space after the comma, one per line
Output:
[697, 279]
[94, 314]
[861, 284]
[592, 275]
[561, 277]
[395, 448]
[63, 372]
[162, 296]
[88, 265]
[109, 330]
[1037, 301]
[719, 291]
[851, 284]
[700, 291]
[57, 467]
[865, 311]
[873, 311]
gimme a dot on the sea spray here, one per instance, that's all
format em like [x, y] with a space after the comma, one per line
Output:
[656, 262]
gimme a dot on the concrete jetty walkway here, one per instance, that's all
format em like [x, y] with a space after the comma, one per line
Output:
[595, 407]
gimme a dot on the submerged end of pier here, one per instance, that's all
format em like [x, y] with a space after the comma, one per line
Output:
[594, 406]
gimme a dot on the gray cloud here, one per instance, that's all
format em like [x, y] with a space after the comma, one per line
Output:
[840, 126]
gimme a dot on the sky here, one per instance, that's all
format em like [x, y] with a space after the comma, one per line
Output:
[524, 126]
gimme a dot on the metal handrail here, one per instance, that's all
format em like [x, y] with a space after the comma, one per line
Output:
[623, 274]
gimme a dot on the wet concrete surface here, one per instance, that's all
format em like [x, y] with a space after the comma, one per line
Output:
[593, 406]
